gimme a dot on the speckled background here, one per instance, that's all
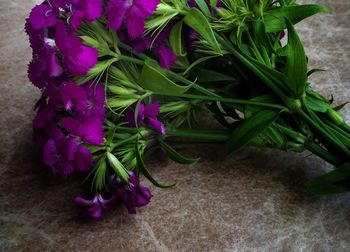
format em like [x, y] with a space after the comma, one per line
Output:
[250, 201]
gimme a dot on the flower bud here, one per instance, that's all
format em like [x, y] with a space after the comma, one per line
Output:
[118, 167]
[335, 116]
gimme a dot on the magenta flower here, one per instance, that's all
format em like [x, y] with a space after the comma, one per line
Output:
[165, 54]
[64, 154]
[134, 12]
[87, 104]
[74, 12]
[73, 97]
[78, 58]
[147, 114]
[95, 207]
[133, 194]
[90, 130]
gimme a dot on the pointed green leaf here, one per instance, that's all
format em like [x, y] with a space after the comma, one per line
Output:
[142, 169]
[153, 79]
[197, 21]
[334, 182]
[274, 18]
[175, 156]
[118, 167]
[175, 39]
[203, 7]
[251, 128]
[316, 104]
[296, 67]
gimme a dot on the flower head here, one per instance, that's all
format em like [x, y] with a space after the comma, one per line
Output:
[134, 12]
[165, 54]
[133, 194]
[147, 113]
[95, 207]
[78, 58]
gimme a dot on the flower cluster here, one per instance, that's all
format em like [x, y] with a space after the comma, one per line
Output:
[70, 117]
[121, 79]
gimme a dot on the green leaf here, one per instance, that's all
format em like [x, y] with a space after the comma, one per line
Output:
[197, 21]
[296, 66]
[251, 128]
[274, 18]
[316, 104]
[118, 167]
[198, 61]
[142, 169]
[204, 7]
[100, 175]
[153, 79]
[211, 76]
[334, 182]
[252, 110]
[341, 106]
[175, 39]
[175, 156]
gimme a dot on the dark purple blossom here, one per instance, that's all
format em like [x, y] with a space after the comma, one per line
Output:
[147, 114]
[78, 58]
[73, 97]
[165, 54]
[134, 12]
[87, 104]
[72, 12]
[64, 154]
[89, 130]
[95, 207]
[133, 194]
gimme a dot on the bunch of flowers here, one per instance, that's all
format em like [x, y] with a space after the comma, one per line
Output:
[120, 78]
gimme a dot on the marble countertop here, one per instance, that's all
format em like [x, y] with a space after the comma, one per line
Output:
[250, 201]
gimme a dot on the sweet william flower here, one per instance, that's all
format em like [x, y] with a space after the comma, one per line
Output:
[73, 12]
[165, 54]
[64, 154]
[95, 207]
[87, 104]
[133, 194]
[90, 130]
[134, 12]
[78, 58]
[148, 114]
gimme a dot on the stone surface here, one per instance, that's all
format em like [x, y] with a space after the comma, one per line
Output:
[247, 202]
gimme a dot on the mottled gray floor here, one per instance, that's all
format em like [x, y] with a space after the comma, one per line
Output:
[247, 202]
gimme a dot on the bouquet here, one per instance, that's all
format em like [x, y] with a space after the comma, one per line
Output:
[123, 80]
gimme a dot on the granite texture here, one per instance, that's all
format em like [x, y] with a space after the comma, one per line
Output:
[250, 201]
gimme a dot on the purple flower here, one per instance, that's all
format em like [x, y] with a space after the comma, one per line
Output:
[147, 113]
[48, 13]
[165, 54]
[59, 154]
[133, 194]
[95, 207]
[95, 100]
[64, 154]
[134, 12]
[87, 104]
[90, 130]
[78, 58]
[73, 97]
[85, 9]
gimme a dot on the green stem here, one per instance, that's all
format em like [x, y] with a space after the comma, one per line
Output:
[228, 100]
[216, 136]
[318, 127]
[324, 154]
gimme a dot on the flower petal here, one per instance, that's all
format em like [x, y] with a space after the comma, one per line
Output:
[115, 13]
[83, 159]
[166, 56]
